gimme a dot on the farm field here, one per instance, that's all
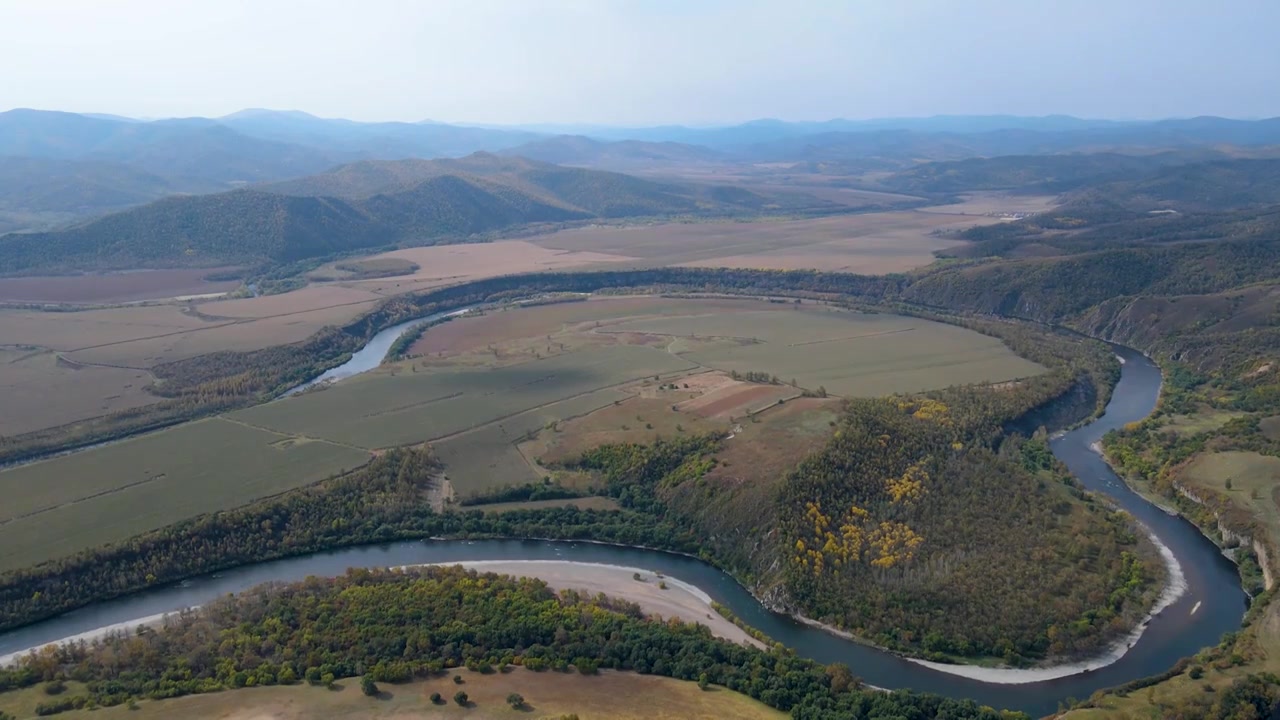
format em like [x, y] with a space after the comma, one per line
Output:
[61, 505]
[106, 288]
[140, 337]
[449, 264]
[608, 696]
[847, 353]
[40, 390]
[995, 203]
[516, 390]
[386, 409]
[869, 243]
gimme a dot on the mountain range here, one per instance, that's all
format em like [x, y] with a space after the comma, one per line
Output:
[57, 168]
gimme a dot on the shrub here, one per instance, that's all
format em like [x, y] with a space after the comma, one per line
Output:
[515, 700]
[460, 697]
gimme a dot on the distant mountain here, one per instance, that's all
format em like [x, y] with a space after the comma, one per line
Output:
[908, 144]
[383, 140]
[195, 149]
[432, 201]
[584, 151]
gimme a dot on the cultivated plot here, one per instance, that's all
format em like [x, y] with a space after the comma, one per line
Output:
[103, 288]
[847, 353]
[384, 410]
[449, 264]
[110, 493]
[40, 389]
[870, 243]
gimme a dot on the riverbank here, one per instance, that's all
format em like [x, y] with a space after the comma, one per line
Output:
[655, 593]
[155, 620]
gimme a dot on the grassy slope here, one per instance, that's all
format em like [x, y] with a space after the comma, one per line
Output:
[609, 696]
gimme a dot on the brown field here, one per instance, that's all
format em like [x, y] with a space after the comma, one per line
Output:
[112, 287]
[767, 446]
[645, 416]
[308, 299]
[42, 390]
[68, 331]
[449, 264]
[735, 398]
[607, 696]
[59, 506]
[869, 243]
[996, 203]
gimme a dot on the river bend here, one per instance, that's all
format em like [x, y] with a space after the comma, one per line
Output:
[1212, 604]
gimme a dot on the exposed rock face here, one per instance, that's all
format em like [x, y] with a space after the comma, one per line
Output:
[1237, 535]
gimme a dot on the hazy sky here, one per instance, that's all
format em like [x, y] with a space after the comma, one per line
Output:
[643, 61]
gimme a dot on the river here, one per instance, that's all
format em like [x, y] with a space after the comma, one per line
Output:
[1211, 582]
[375, 351]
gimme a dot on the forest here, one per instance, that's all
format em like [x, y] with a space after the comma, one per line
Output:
[393, 626]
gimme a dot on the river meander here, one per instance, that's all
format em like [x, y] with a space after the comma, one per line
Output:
[1212, 604]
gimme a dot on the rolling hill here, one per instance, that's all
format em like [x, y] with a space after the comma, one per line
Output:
[1199, 187]
[361, 206]
[1027, 174]
[595, 192]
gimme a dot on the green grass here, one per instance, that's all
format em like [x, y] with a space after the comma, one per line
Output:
[1254, 478]
[107, 494]
[488, 458]
[851, 354]
[1207, 420]
[383, 410]
[608, 696]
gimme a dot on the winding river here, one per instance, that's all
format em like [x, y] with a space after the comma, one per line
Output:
[1212, 604]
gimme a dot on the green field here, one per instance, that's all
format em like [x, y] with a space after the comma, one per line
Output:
[383, 410]
[113, 492]
[850, 354]
[475, 407]
[487, 458]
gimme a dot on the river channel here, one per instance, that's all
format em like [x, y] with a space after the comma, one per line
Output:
[1212, 604]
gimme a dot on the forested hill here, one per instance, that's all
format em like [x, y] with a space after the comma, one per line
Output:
[372, 623]
[600, 193]
[380, 204]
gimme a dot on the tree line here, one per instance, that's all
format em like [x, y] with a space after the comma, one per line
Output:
[394, 626]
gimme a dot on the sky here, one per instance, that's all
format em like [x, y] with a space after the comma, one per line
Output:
[643, 62]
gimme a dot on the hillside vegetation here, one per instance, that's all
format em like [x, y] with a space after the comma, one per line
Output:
[411, 202]
[391, 627]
